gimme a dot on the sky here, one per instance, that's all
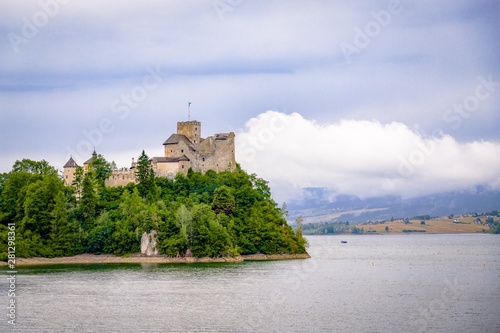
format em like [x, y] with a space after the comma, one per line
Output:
[365, 98]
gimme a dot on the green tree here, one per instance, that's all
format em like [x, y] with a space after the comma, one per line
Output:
[15, 184]
[300, 241]
[145, 176]
[99, 240]
[134, 217]
[299, 220]
[223, 201]
[210, 238]
[3, 179]
[77, 183]
[261, 185]
[179, 233]
[13, 196]
[88, 202]
[101, 169]
[284, 211]
[35, 230]
[39, 203]
[64, 233]
[184, 218]
[181, 186]
[34, 167]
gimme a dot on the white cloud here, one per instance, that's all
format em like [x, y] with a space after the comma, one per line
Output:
[362, 157]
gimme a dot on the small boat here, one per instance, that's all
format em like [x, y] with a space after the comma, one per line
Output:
[343, 242]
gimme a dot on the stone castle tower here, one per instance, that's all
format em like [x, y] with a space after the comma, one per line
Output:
[190, 129]
[182, 150]
[69, 171]
[187, 149]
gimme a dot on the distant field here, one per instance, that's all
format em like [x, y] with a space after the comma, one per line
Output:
[436, 226]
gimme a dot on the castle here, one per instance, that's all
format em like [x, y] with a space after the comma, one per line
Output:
[183, 150]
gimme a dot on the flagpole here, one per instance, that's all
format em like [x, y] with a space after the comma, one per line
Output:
[189, 111]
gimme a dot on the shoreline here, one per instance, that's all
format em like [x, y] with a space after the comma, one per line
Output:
[392, 233]
[87, 258]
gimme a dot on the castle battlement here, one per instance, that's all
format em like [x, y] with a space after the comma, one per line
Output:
[182, 150]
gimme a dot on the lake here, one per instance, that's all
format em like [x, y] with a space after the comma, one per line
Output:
[374, 283]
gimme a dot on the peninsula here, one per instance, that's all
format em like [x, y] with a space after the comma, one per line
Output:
[82, 259]
[194, 202]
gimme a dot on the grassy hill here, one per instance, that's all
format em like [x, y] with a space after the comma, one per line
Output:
[423, 224]
[434, 226]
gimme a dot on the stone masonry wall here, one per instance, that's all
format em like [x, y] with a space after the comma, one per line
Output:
[217, 155]
[69, 175]
[191, 129]
[121, 178]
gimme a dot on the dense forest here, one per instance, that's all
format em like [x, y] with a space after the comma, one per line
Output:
[207, 215]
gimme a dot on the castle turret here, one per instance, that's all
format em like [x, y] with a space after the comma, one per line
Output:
[69, 171]
[191, 129]
[87, 162]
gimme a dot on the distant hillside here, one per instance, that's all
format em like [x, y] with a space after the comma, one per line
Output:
[320, 207]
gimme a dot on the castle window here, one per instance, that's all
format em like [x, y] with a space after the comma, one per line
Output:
[66, 176]
[203, 159]
[182, 167]
[182, 150]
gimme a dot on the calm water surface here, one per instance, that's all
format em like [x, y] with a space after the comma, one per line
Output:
[407, 283]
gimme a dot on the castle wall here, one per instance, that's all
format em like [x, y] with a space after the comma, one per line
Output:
[69, 175]
[174, 150]
[168, 170]
[214, 153]
[121, 178]
[184, 167]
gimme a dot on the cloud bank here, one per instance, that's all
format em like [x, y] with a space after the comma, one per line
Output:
[362, 157]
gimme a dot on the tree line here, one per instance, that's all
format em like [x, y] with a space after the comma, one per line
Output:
[204, 215]
[327, 228]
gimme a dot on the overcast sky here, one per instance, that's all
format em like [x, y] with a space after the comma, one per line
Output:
[363, 97]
